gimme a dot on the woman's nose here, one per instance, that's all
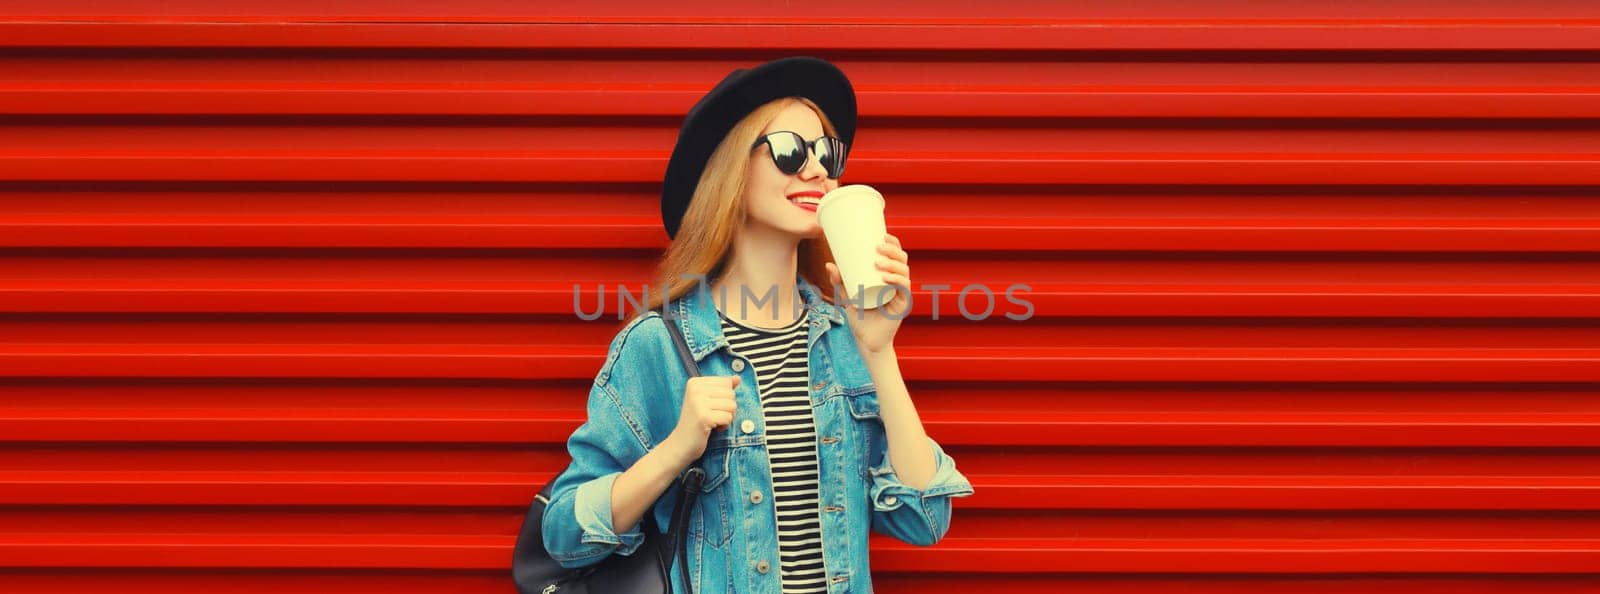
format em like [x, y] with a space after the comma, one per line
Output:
[813, 168]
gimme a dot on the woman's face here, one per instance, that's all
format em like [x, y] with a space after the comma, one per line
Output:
[771, 196]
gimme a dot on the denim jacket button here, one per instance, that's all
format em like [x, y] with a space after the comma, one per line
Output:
[748, 426]
[889, 500]
[763, 567]
[738, 364]
[755, 497]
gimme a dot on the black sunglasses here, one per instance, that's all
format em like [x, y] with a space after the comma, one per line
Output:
[790, 152]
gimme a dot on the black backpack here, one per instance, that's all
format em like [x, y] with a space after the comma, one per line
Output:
[647, 571]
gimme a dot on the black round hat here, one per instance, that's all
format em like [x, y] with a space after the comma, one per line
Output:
[740, 93]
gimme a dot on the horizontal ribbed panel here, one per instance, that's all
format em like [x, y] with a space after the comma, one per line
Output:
[288, 289]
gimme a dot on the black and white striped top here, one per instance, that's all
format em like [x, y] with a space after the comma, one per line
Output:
[780, 360]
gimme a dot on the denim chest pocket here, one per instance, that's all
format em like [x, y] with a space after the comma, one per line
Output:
[860, 394]
[711, 524]
[867, 424]
[863, 403]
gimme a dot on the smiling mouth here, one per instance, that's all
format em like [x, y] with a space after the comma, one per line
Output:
[804, 201]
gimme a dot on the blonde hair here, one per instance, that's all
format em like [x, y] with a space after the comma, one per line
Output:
[717, 212]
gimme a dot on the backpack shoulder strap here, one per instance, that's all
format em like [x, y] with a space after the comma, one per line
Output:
[683, 347]
[690, 482]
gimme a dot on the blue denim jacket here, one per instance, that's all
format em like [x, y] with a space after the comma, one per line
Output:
[733, 540]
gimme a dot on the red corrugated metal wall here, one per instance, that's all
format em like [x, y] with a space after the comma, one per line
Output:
[287, 286]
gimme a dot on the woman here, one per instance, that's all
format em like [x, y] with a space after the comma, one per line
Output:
[809, 436]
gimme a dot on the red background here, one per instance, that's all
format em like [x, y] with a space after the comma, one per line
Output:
[286, 287]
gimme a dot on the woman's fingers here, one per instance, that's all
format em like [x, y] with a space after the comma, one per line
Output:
[709, 402]
[894, 251]
[893, 266]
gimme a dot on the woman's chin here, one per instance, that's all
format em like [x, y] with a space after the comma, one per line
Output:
[810, 229]
[803, 226]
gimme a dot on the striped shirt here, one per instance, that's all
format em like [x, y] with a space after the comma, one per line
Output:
[781, 364]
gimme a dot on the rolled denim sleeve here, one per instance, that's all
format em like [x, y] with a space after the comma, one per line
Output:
[592, 507]
[577, 522]
[919, 517]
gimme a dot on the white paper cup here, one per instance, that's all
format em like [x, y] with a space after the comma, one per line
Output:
[852, 220]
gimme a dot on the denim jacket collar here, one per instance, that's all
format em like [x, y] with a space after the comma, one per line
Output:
[696, 314]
